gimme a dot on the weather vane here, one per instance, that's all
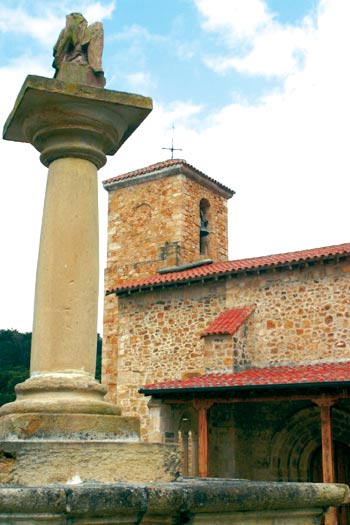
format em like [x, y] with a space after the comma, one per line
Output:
[172, 149]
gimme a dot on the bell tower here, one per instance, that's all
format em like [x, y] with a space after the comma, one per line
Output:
[164, 217]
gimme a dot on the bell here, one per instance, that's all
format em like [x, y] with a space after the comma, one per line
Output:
[204, 230]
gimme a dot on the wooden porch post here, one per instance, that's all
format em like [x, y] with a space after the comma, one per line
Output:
[327, 445]
[327, 451]
[202, 405]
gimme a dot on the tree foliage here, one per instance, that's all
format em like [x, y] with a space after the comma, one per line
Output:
[15, 361]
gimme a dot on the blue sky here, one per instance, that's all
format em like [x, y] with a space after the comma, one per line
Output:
[258, 92]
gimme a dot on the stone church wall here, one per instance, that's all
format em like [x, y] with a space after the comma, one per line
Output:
[159, 339]
[300, 316]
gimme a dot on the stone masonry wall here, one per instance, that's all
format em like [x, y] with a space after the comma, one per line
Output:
[159, 339]
[300, 316]
[227, 353]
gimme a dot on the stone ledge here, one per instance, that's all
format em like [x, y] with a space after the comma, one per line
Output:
[200, 500]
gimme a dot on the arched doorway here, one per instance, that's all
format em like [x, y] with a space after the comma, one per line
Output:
[293, 446]
[342, 473]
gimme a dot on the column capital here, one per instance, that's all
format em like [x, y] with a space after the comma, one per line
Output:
[62, 119]
[328, 401]
[202, 404]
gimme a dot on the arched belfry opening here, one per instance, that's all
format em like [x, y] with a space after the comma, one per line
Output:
[204, 207]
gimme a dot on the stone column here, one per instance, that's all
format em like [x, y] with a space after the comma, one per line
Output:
[184, 439]
[194, 453]
[74, 127]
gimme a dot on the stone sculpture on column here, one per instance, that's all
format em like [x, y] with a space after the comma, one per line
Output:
[78, 52]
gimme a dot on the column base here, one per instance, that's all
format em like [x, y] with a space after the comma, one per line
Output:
[72, 427]
[60, 393]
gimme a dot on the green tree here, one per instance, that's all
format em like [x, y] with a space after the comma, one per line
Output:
[15, 361]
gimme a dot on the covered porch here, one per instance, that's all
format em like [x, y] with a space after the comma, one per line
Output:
[283, 423]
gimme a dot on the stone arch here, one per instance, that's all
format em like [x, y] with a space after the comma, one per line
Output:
[139, 219]
[187, 432]
[185, 418]
[293, 446]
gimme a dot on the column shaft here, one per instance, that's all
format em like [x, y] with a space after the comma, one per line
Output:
[65, 315]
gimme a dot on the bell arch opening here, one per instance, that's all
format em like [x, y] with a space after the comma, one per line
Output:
[204, 207]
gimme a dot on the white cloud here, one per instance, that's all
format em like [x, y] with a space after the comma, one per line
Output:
[96, 11]
[136, 33]
[45, 27]
[140, 80]
[238, 18]
[288, 44]
[39, 28]
[257, 43]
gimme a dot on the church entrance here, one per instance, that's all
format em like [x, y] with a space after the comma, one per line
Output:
[342, 473]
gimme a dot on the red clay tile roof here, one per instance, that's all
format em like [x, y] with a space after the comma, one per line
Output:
[254, 264]
[146, 169]
[336, 372]
[228, 322]
[160, 166]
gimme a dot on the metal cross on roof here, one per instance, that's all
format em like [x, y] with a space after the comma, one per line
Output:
[172, 149]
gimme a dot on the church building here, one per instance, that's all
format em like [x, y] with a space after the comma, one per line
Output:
[245, 362]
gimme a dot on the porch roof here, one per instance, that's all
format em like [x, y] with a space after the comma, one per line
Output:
[313, 374]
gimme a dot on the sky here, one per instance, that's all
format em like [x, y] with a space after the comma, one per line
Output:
[258, 94]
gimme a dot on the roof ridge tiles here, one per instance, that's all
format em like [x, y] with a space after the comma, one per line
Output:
[236, 266]
[160, 166]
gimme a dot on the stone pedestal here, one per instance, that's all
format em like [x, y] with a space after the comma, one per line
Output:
[51, 432]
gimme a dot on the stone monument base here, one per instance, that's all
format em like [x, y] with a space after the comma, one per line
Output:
[40, 462]
[41, 448]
